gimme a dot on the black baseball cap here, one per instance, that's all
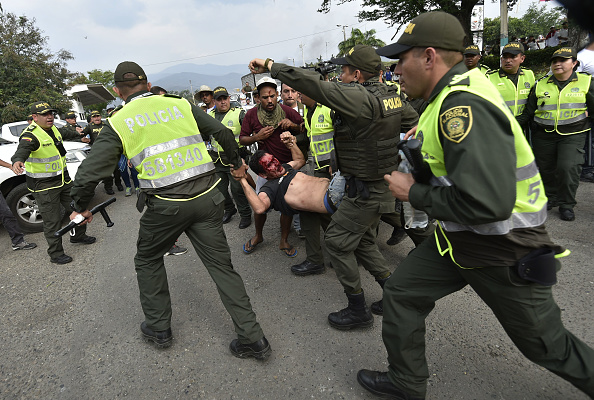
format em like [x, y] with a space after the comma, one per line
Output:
[564, 52]
[41, 107]
[361, 57]
[433, 29]
[513, 48]
[472, 49]
[70, 114]
[127, 67]
[220, 91]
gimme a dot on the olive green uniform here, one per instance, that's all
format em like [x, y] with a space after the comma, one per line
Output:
[559, 156]
[192, 205]
[482, 190]
[93, 130]
[70, 131]
[224, 173]
[51, 194]
[351, 235]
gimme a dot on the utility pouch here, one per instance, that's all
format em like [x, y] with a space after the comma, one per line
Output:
[141, 201]
[539, 266]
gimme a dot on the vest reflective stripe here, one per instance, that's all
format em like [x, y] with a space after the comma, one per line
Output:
[231, 121]
[513, 95]
[166, 151]
[530, 206]
[556, 109]
[46, 161]
[321, 135]
[42, 160]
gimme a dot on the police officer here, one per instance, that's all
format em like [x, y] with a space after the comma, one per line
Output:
[71, 128]
[93, 129]
[232, 119]
[491, 209]
[369, 118]
[472, 57]
[162, 136]
[320, 131]
[511, 80]
[42, 154]
[561, 107]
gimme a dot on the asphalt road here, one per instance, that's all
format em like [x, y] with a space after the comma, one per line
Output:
[72, 331]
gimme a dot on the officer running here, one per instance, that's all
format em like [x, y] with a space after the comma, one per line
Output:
[491, 209]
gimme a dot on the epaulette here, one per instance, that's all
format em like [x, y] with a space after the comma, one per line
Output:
[492, 71]
[458, 80]
[115, 110]
[172, 95]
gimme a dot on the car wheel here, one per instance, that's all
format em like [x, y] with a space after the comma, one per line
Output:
[24, 207]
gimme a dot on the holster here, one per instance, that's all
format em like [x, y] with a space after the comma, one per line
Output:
[355, 186]
[539, 266]
[141, 201]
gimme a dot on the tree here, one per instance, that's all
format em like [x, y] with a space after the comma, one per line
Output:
[400, 12]
[359, 37]
[29, 70]
[536, 21]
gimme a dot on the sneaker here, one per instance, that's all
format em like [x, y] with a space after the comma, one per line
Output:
[137, 191]
[128, 191]
[24, 246]
[175, 250]
[83, 240]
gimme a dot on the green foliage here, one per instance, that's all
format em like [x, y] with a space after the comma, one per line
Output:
[539, 61]
[95, 76]
[186, 94]
[358, 37]
[29, 70]
[536, 21]
[399, 12]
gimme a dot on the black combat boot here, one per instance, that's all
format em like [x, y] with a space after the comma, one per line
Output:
[377, 307]
[356, 315]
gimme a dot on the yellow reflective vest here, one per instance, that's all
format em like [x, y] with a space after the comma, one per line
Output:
[321, 134]
[161, 139]
[231, 121]
[530, 206]
[516, 97]
[45, 162]
[562, 112]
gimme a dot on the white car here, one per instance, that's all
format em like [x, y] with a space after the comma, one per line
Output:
[13, 130]
[14, 188]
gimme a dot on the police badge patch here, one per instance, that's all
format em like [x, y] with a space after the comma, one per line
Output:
[455, 123]
[321, 118]
[230, 123]
[575, 89]
[527, 85]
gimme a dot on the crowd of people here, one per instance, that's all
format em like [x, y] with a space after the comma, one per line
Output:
[328, 152]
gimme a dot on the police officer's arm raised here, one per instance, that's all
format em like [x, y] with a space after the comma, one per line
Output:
[351, 101]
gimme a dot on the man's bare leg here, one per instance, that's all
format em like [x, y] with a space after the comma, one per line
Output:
[259, 221]
[285, 223]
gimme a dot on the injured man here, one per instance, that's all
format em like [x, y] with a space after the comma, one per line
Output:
[288, 190]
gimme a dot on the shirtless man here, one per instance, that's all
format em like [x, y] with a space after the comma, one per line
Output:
[287, 190]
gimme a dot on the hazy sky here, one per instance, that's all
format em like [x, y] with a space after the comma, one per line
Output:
[159, 34]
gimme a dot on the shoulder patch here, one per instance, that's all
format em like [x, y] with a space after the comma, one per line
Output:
[455, 123]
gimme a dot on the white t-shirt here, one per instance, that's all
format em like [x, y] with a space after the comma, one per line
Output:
[553, 40]
[586, 59]
[564, 33]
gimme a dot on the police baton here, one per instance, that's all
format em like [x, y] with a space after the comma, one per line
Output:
[79, 218]
[419, 168]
